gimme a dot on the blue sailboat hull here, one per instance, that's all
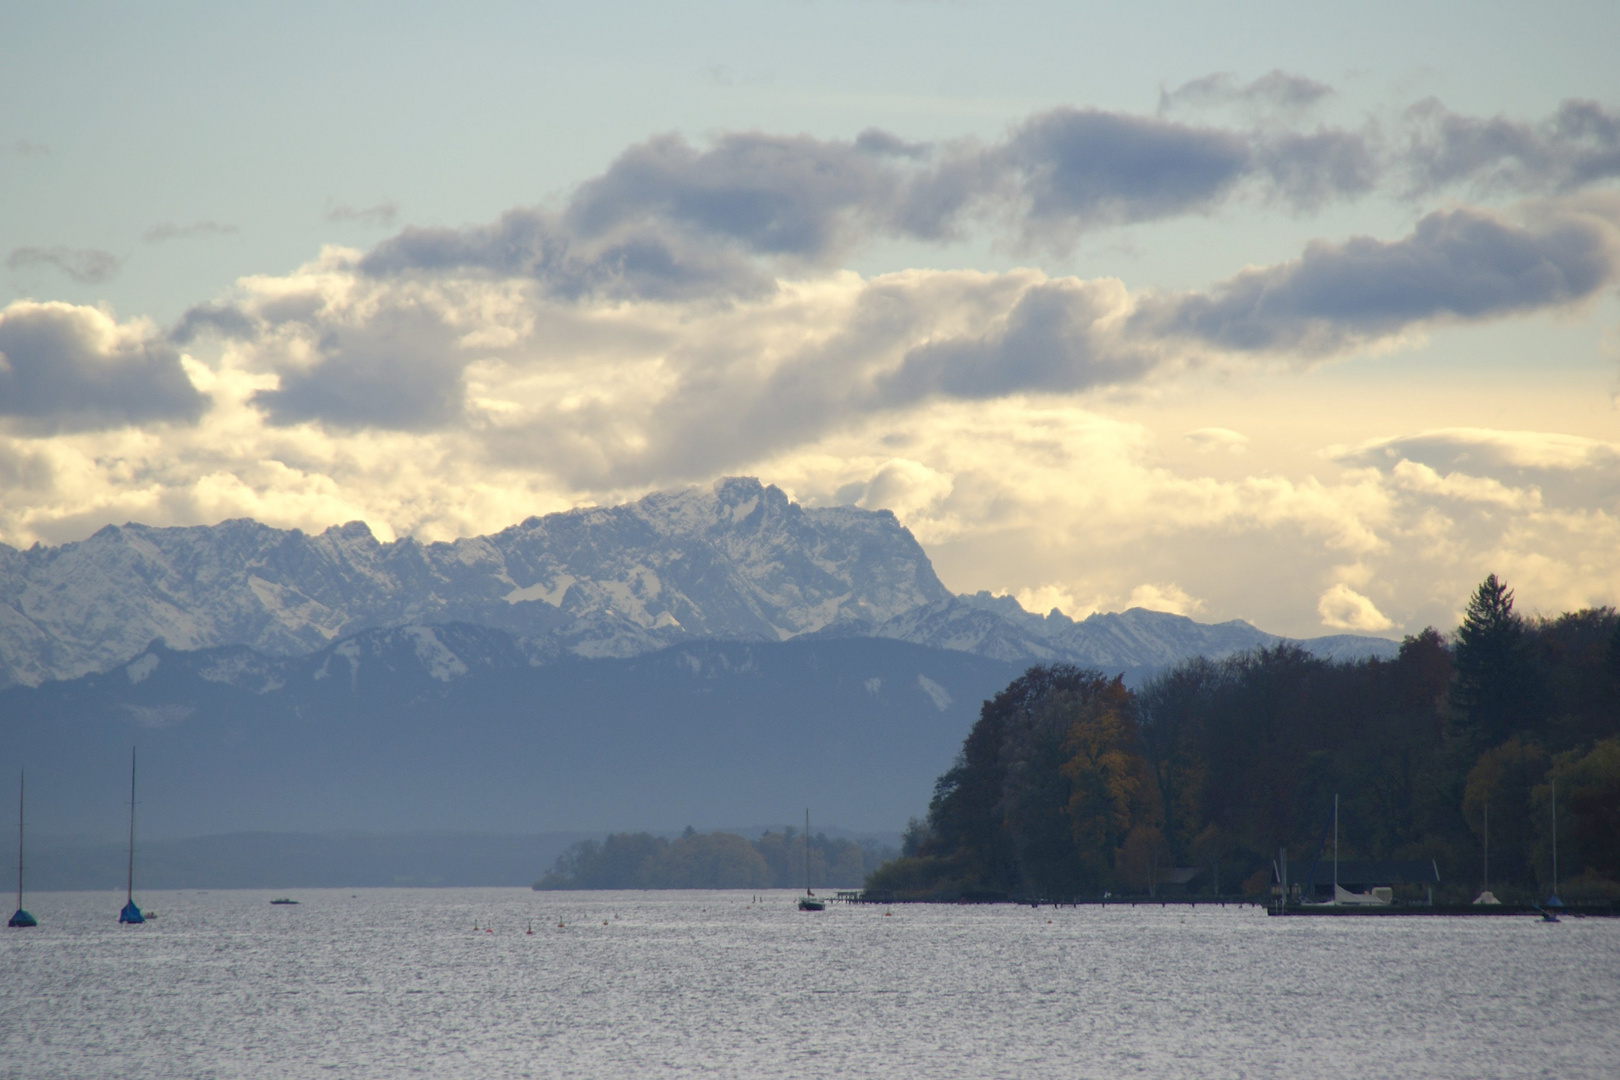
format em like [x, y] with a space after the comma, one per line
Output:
[22, 918]
[131, 914]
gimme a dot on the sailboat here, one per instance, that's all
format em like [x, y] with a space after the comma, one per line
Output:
[1342, 896]
[1553, 901]
[1485, 895]
[21, 917]
[131, 913]
[808, 901]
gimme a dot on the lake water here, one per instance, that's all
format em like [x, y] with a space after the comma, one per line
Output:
[388, 983]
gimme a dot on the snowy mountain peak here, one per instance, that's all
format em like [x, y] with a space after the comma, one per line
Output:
[735, 560]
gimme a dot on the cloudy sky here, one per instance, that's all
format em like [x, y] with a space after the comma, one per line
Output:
[1236, 310]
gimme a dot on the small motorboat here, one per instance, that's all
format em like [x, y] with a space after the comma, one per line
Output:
[283, 900]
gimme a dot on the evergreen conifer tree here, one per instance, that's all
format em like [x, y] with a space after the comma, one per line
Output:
[1494, 693]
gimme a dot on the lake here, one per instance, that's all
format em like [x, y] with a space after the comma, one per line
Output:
[396, 982]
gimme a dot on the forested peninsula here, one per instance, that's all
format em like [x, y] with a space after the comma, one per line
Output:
[1070, 785]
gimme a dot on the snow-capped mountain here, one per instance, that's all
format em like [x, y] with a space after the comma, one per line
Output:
[998, 627]
[737, 561]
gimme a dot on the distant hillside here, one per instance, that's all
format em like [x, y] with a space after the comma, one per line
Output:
[454, 729]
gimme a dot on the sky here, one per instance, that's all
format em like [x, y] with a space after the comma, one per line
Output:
[1304, 317]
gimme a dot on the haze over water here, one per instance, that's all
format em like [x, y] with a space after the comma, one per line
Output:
[389, 983]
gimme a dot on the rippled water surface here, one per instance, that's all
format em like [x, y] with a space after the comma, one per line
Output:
[397, 983]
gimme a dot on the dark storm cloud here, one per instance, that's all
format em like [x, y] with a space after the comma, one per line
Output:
[1307, 170]
[672, 221]
[400, 371]
[225, 320]
[1049, 341]
[653, 261]
[1065, 335]
[65, 369]
[1276, 89]
[768, 194]
[886, 144]
[87, 266]
[667, 221]
[1577, 146]
[1083, 166]
[1459, 264]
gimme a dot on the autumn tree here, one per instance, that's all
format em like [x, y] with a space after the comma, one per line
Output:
[967, 819]
[1110, 789]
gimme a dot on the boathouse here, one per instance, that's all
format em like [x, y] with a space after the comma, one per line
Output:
[1359, 875]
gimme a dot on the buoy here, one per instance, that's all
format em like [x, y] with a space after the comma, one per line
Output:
[604, 922]
[559, 926]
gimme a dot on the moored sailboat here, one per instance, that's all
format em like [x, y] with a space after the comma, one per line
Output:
[809, 902]
[131, 913]
[20, 918]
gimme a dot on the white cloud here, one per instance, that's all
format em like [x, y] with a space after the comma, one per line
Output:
[1046, 598]
[1165, 597]
[1341, 607]
[909, 488]
[1207, 439]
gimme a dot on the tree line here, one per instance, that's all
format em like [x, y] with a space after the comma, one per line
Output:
[1070, 785]
[716, 860]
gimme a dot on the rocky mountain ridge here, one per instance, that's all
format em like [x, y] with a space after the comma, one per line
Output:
[737, 561]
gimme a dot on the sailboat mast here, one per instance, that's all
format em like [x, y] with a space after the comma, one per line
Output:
[807, 849]
[1487, 885]
[130, 890]
[1555, 835]
[22, 781]
[1335, 847]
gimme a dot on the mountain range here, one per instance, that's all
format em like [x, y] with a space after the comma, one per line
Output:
[738, 561]
[703, 657]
